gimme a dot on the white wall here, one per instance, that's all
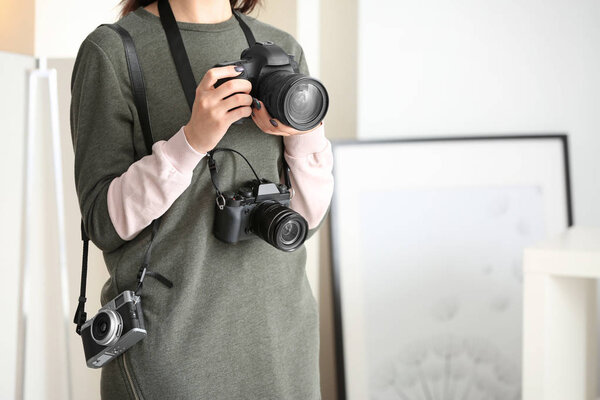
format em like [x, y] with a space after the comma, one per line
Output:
[308, 33]
[465, 67]
[12, 114]
[61, 25]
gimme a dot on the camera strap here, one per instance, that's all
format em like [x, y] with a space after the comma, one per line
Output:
[139, 97]
[212, 166]
[180, 57]
[184, 68]
[146, 263]
[80, 314]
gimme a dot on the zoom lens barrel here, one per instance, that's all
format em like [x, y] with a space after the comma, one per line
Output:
[295, 99]
[279, 225]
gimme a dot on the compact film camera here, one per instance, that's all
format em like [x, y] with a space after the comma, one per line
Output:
[293, 98]
[115, 328]
[260, 208]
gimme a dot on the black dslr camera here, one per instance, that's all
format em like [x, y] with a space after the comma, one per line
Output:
[293, 98]
[115, 328]
[259, 208]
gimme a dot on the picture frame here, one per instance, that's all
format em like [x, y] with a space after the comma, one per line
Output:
[427, 236]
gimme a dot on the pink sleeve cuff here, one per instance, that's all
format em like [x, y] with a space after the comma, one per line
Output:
[181, 154]
[310, 159]
[302, 145]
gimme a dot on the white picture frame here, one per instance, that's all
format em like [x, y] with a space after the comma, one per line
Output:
[427, 237]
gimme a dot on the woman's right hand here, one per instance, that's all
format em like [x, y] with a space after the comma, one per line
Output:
[212, 112]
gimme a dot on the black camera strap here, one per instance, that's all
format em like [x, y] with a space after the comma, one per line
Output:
[212, 166]
[139, 97]
[146, 263]
[180, 57]
[80, 314]
[184, 68]
[137, 82]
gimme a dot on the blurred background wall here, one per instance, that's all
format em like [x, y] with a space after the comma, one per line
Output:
[470, 67]
[393, 68]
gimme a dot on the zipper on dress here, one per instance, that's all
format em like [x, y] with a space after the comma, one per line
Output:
[131, 385]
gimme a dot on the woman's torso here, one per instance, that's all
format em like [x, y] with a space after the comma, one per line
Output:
[241, 320]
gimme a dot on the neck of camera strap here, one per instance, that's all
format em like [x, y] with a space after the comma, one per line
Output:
[139, 93]
[180, 57]
[184, 68]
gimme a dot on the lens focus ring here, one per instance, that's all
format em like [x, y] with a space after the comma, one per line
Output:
[279, 225]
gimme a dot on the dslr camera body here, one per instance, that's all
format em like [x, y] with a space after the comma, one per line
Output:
[293, 98]
[260, 208]
[116, 327]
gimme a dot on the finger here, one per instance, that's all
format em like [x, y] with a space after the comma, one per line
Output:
[238, 113]
[236, 100]
[233, 86]
[266, 126]
[261, 118]
[214, 74]
[269, 124]
[283, 128]
[260, 110]
[260, 123]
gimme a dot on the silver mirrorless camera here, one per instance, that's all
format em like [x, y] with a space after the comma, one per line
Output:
[115, 328]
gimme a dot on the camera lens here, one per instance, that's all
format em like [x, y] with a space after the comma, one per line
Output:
[279, 225]
[295, 99]
[106, 327]
[290, 232]
[304, 103]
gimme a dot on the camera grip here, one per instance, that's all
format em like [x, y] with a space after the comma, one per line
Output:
[221, 81]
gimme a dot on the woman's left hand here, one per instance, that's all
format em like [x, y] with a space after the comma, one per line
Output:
[270, 125]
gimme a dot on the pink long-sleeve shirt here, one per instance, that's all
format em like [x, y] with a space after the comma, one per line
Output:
[152, 184]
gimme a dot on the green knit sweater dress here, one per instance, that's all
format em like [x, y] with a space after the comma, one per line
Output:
[241, 321]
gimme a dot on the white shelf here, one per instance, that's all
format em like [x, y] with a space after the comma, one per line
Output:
[559, 317]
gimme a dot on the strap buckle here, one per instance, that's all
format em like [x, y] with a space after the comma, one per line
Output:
[143, 271]
[212, 164]
[80, 316]
[221, 204]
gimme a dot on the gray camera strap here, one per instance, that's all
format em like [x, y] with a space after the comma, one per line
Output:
[184, 68]
[139, 97]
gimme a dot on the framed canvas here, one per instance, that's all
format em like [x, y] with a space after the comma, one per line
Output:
[427, 238]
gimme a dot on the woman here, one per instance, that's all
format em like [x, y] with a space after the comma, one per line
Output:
[240, 320]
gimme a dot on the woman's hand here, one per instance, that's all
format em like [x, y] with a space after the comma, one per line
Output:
[212, 114]
[270, 125]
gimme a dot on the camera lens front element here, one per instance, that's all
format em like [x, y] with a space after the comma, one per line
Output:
[279, 225]
[107, 327]
[290, 232]
[304, 103]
